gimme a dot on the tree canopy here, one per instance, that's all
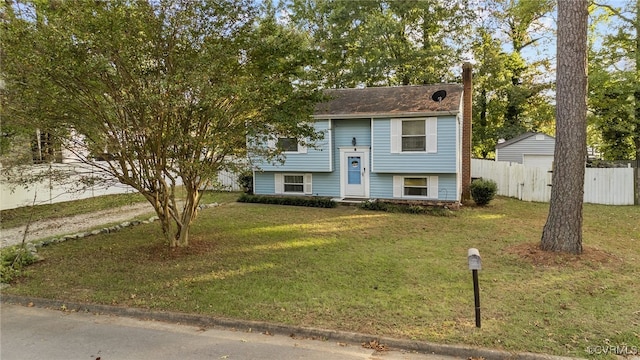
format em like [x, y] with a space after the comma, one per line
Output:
[614, 81]
[162, 90]
[383, 43]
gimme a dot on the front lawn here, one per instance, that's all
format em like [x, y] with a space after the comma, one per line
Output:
[389, 274]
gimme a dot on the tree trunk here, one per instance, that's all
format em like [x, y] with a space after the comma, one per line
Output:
[189, 213]
[563, 230]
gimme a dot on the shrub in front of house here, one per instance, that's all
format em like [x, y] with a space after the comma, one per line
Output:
[483, 191]
[379, 205]
[246, 181]
[375, 205]
[289, 200]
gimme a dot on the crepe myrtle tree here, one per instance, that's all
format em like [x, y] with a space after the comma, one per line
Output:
[166, 91]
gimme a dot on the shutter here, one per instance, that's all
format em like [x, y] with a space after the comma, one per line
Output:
[397, 186]
[433, 187]
[396, 135]
[302, 149]
[279, 181]
[308, 190]
[272, 144]
[432, 134]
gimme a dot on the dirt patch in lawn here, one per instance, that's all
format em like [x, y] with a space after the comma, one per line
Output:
[590, 257]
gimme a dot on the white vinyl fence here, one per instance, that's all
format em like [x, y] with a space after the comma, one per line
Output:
[609, 186]
[50, 192]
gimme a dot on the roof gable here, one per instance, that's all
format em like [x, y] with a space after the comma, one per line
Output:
[520, 138]
[390, 101]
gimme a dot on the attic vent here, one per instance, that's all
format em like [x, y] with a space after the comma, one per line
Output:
[439, 95]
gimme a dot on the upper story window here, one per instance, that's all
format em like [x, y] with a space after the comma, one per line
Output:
[291, 145]
[288, 144]
[414, 135]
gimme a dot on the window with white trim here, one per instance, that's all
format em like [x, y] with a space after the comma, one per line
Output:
[290, 145]
[415, 186]
[414, 135]
[424, 187]
[293, 183]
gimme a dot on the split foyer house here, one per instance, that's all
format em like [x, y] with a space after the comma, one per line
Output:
[396, 143]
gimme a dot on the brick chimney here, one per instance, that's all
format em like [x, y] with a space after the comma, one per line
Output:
[467, 105]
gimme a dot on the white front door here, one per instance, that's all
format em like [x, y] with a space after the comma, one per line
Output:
[354, 172]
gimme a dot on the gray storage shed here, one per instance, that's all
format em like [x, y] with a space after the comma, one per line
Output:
[531, 149]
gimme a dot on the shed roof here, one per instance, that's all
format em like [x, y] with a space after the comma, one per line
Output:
[520, 138]
[390, 101]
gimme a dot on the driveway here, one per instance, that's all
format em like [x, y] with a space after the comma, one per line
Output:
[39, 229]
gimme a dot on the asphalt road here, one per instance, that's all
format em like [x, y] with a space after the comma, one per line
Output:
[36, 333]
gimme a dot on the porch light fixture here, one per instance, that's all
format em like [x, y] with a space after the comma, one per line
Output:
[353, 141]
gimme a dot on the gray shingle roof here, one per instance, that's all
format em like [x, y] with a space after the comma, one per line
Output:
[519, 138]
[390, 101]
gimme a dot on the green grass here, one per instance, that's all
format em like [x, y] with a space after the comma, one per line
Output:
[388, 274]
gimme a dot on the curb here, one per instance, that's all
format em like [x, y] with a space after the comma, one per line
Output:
[458, 351]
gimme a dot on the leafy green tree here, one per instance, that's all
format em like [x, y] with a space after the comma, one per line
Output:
[614, 83]
[511, 93]
[380, 42]
[490, 81]
[170, 90]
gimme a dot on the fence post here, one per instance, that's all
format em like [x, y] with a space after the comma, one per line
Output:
[636, 183]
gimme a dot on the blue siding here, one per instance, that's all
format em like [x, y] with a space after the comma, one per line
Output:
[444, 161]
[382, 186]
[264, 183]
[326, 184]
[384, 164]
[343, 133]
[345, 130]
[323, 184]
[317, 158]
